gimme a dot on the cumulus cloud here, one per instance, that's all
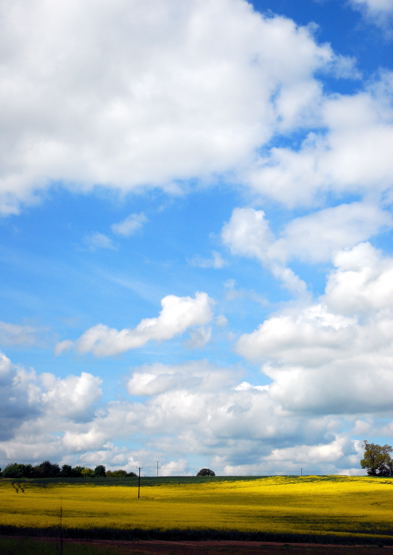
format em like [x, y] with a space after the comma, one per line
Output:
[319, 236]
[26, 396]
[130, 225]
[349, 155]
[177, 315]
[314, 238]
[73, 396]
[158, 378]
[248, 234]
[335, 356]
[194, 407]
[379, 11]
[145, 95]
[362, 282]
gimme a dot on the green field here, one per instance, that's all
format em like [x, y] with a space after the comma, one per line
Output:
[309, 507]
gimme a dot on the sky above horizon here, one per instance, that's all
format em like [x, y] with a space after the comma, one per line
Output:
[196, 234]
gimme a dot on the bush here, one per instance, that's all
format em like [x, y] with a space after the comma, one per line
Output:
[206, 472]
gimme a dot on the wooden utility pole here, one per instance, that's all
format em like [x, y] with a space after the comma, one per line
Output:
[157, 469]
[139, 482]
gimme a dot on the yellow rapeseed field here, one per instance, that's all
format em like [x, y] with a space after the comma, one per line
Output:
[305, 505]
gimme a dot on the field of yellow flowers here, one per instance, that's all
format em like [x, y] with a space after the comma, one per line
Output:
[312, 505]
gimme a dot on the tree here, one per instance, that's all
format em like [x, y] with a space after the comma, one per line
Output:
[377, 460]
[14, 470]
[77, 471]
[100, 470]
[116, 473]
[47, 470]
[66, 471]
[206, 472]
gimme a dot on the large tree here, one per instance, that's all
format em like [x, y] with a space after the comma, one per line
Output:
[377, 460]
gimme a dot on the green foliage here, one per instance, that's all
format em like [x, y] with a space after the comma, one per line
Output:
[377, 460]
[100, 470]
[14, 470]
[206, 472]
[47, 470]
[116, 473]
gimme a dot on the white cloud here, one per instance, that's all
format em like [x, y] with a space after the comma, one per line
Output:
[158, 378]
[320, 235]
[15, 334]
[248, 234]
[194, 408]
[362, 283]
[145, 95]
[314, 238]
[335, 357]
[175, 468]
[130, 225]
[199, 337]
[26, 397]
[85, 441]
[309, 337]
[98, 240]
[73, 396]
[177, 315]
[216, 261]
[380, 11]
[349, 155]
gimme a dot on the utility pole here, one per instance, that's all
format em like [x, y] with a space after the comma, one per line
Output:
[139, 482]
[157, 469]
[301, 472]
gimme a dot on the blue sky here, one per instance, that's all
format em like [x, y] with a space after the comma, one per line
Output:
[196, 234]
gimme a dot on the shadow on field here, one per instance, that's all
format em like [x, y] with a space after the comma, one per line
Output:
[52, 546]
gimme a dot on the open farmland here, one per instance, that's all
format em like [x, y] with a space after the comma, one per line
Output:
[357, 507]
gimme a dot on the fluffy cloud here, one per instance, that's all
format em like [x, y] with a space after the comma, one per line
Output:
[319, 236]
[158, 378]
[380, 11]
[134, 94]
[320, 359]
[26, 396]
[316, 237]
[349, 155]
[195, 408]
[176, 316]
[362, 282]
[248, 234]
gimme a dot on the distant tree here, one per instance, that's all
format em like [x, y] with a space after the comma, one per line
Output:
[131, 474]
[47, 470]
[77, 471]
[377, 460]
[116, 473]
[87, 472]
[66, 471]
[14, 470]
[100, 470]
[206, 472]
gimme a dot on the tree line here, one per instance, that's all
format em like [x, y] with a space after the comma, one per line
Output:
[48, 470]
